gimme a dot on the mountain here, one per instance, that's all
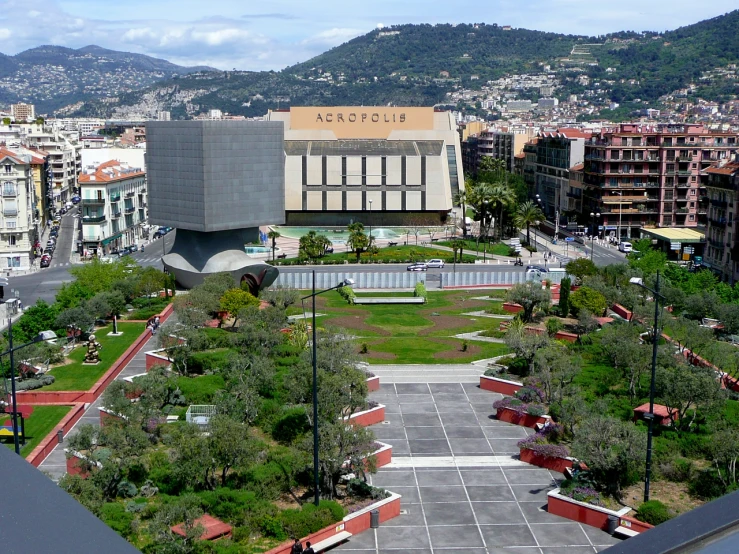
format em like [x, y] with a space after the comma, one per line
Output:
[55, 76]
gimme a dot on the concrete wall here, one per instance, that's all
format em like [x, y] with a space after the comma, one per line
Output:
[216, 175]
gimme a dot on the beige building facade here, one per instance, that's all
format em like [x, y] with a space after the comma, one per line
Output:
[377, 165]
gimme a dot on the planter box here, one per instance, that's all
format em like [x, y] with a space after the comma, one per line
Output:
[108, 417]
[373, 383]
[555, 464]
[595, 516]
[512, 308]
[502, 386]
[50, 441]
[157, 357]
[564, 335]
[353, 523]
[383, 455]
[619, 310]
[76, 464]
[512, 416]
[369, 417]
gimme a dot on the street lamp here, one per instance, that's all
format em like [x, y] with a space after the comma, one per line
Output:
[650, 416]
[345, 282]
[10, 351]
[370, 231]
[592, 236]
[536, 245]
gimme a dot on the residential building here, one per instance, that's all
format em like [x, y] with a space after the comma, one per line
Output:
[113, 206]
[18, 231]
[503, 144]
[529, 165]
[518, 106]
[133, 136]
[652, 176]
[377, 165]
[574, 190]
[164, 116]
[722, 248]
[547, 103]
[556, 152]
[22, 113]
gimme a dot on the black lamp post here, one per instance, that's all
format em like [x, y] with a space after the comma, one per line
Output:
[345, 282]
[592, 237]
[650, 416]
[14, 401]
[369, 242]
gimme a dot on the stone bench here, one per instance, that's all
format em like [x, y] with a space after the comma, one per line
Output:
[625, 531]
[389, 300]
[331, 541]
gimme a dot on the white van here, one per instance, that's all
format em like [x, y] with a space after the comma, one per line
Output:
[553, 274]
[624, 247]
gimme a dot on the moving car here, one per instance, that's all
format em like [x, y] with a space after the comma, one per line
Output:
[435, 263]
[418, 266]
[45, 261]
[133, 248]
[76, 199]
[624, 247]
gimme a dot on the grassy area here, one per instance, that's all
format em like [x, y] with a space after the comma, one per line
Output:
[428, 350]
[496, 248]
[75, 376]
[42, 421]
[201, 389]
[390, 254]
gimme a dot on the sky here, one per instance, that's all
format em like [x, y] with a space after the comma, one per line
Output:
[249, 35]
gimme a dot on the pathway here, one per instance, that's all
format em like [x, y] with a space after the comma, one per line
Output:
[55, 464]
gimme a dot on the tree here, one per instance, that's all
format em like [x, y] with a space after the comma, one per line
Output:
[530, 295]
[186, 510]
[36, 318]
[724, 452]
[729, 316]
[580, 268]
[313, 246]
[556, 368]
[460, 199]
[613, 450]
[235, 301]
[564, 296]
[280, 297]
[231, 444]
[621, 344]
[528, 214]
[586, 323]
[523, 343]
[79, 318]
[150, 281]
[415, 224]
[358, 239]
[683, 387]
[649, 262]
[589, 299]
[105, 304]
[273, 236]
[701, 305]
[689, 334]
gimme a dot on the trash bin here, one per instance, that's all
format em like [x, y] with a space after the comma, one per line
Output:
[60, 436]
[612, 524]
[375, 519]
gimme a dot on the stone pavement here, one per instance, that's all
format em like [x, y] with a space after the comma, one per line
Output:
[463, 490]
[55, 464]
[428, 373]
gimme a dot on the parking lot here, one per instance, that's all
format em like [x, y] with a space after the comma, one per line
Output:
[463, 491]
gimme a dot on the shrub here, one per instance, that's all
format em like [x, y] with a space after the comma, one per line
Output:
[35, 382]
[309, 519]
[678, 470]
[707, 485]
[358, 488]
[290, 425]
[538, 444]
[580, 488]
[364, 348]
[420, 291]
[653, 512]
[347, 293]
[589, 299]
[554, 325]
[518, 366]
[465, 345]
[530, 393]
[536, 410]
[117, 518]
[209, 361]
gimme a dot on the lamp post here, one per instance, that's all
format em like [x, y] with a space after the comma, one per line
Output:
[345, 282]
[650, 416]
[14, 401]
[370, 230]
[592, 237]
[536, 245]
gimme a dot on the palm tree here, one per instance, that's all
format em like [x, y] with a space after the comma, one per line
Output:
[527, 214]
[501, 196]
[460, 199]
[274, 235]
[357, 240]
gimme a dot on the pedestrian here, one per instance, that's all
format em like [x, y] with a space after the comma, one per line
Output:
[156, 323]
[297, 547]
[150, 327]
[308, 549]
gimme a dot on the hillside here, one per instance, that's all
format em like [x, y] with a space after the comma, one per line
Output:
[54, 76]
[420, 64]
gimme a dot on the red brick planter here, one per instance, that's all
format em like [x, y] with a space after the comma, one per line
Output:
[564, 335]
[512, 416]
[502, 386]
[353, 523]
[383, 455]
[76, 464]
[156, 357]
[369, 417]
[555, 464]
[50, 441]
[107, 417]
[595, 516]
[512, 308]
[373, 383]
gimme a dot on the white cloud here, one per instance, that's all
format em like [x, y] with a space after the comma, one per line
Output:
[5, 34]
[334, 37]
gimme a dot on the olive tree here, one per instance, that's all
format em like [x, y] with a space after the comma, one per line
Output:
[685, 389]
[530, 295]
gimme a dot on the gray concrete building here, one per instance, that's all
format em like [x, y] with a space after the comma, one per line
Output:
[216, 182]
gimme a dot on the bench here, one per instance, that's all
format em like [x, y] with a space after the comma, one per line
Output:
[434, 240]
[392, 244]
[282, 256]
[625, 531]
[331, 541]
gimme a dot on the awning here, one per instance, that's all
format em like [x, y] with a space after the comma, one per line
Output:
[107, 241]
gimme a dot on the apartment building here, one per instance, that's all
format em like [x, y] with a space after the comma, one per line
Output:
[573, 197]
[18, 230]
[113, 206]
[22, 112]
[502, 144]
[529, 165]
[652, 176]
[722, 248]
[556, 152]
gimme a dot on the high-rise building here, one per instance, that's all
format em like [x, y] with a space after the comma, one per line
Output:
[721, 253]
[639, 176]
[113, 206]
[556, 152]
[18, 229]
[22, 113]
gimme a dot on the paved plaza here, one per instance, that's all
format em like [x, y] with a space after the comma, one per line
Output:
[463, 491]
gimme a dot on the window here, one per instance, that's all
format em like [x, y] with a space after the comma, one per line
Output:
[8, 168]
[8, 188]
[14, 261]
[692, 192]
[691, 217]
[10, 223]
[11, 240]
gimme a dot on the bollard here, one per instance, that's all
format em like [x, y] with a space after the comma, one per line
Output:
[375, 519]
[612, 524]
[60, 436]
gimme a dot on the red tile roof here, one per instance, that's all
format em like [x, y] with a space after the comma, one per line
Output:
[727, 169]
[5, 153]
[659, 410]
[214, 528]
[111, 171]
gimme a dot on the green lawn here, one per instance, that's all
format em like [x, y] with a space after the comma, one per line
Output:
[390, 254]
[425, 350]
[42, 421]
[200, 389]
[496, 248]
[75, 376]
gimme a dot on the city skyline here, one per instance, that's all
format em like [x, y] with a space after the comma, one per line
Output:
[227, 35]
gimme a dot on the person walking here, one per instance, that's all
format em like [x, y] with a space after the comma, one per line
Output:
[308, 549]
[297, 547]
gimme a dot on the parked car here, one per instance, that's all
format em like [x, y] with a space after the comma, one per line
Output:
[63, 210]
[435, 263]
[133, 248]
[49, 251]
[625, 247]
[76, 199]
[125, 251]
[418, 266]
[46, 261]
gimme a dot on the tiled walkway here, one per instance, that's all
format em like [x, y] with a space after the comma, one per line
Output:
[55, 463]
[463, 492]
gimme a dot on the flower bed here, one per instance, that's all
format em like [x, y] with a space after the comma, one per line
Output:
[539, 451]
[502, 386]
[512, 410]
[371, 416]
[383, 455]
[553, 463]
[590, 514]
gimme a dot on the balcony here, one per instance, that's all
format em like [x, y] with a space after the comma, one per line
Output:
[115, 197]
[720, 222]
[93, 219]
[719, 203]
[130, 194]
[93, 201]
[682, 211]
[10, 212]
[9, 191]
[115, 215]
[685, 172]
[130, 209]
[683, 185]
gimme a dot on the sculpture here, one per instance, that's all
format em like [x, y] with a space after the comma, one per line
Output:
[92, 356]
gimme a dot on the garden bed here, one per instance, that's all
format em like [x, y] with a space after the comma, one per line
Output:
[589, 514]
[509, 415]
[502, 386]
[369, 417]
[554, 463]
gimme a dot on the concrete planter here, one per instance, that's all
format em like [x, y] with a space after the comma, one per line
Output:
[525, 420]
[107, 417]
[373, 383]
[157, 357]
[512, 308]
[553, 463]
[353, 523]
[595, 516]
[383, 455]
[502, 386]
[369, 417]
